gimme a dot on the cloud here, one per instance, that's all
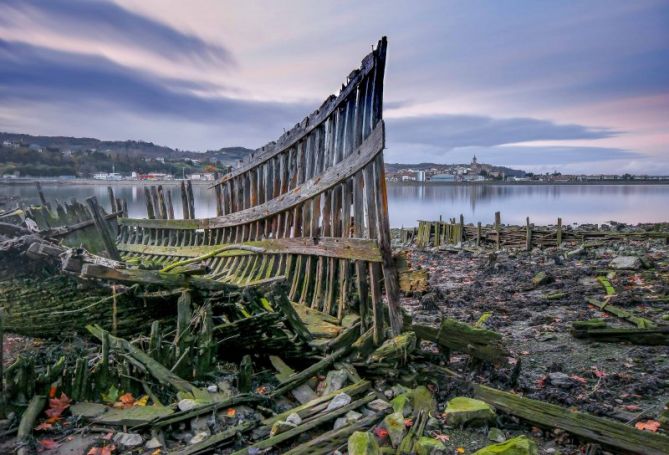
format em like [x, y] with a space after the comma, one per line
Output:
[97, 20]
[34, 75]
[446, 132]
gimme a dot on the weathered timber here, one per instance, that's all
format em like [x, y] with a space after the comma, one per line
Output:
[353, 249]
[215, 440]
[304, 375]
[103, 228]
[27, 423]
[604, 431]
[458, 336]
[656, 336]
[641, 323]
[330, 441]
[158, 371]
[309, 425]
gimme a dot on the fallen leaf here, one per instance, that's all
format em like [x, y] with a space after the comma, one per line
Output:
[599, 373]
[231, 412]
[106, 450]
[142, 401]
[52, 391]
[44, 426]
[381, 432]
[156, 452]
[48, 444]
[262, 390]
[632, 407]
[649, 425]
[441, 437]
[58, 405]
[579, 379]
[408, 423]
[460, 450]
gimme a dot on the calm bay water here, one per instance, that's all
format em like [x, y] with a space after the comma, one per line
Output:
[409, 203]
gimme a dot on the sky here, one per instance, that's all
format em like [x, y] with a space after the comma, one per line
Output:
[574, 87]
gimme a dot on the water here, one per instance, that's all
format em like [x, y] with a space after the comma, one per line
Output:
[409, 203]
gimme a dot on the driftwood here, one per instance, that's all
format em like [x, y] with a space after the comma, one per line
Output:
[458, 336]
[604, 431]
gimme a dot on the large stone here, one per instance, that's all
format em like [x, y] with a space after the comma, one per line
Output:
[429, 446]
[394, 424]
[128, 440]
[153, 443]
[378, 405]
[520, 445]
[334, 381]
[462, 411]
[186, 404]
[338, 401]
[363, 443]
[294, 419]
[199, 437]
[625, 263]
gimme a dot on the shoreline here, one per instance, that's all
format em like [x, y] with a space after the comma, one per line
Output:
[93, 182]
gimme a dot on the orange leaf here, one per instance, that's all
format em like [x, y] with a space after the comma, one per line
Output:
[231, 412]
[52, 391]
[381, 432]
[43, 426]
[408, 422]
[579, 379]
[649, 425]
[441, 437]
[460, 450]
[106, 450]
[127, 398]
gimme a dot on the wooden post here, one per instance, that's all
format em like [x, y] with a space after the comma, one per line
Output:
[528, 237]
[112, 200]
[191, 200]
[462, 228]
[559, 232]
[184, 200]
[102, 228]
[498, 222]
[124, 208]
[170, 206]
[42, 199]
[219, 197]
[149, 204]
[478, 234]
[161, 202]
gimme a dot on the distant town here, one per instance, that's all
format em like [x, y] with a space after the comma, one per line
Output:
[65, 158]
[476, 172]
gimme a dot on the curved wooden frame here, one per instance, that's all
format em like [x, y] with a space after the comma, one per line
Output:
[323, 179]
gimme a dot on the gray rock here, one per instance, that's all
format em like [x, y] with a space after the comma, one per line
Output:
[212, 388]
[462, 411]
[625, 263]
[200, 424]
[186, 404]
[153, 443]
[199, 437]
[128, 439]
[339, 423]
[335, 380]
[560, 379]
[378, 405]
[338, 401]
[294, 418]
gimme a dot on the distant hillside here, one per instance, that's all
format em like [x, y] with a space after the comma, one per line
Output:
[37, 156]
[227, 155]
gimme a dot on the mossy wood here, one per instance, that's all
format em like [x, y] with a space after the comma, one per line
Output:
[604, 431]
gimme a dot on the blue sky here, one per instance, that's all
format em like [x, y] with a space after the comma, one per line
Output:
[539, 85]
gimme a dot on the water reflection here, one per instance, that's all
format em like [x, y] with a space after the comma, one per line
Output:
[409, 203]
